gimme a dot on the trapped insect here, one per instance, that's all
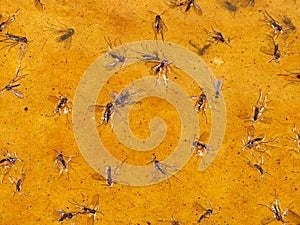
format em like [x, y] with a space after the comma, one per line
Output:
[199, 147]
[64, 105]
[218, 87]
[293, 77]
[14, 40]
[188, 4]
[258, 167]
[62, 163]
[5, 24]
[202, 50]
[65, 216]
[124, 97]
[159, 26]
[118, 56]
[275, 25]
[215, 37]
[162, 69]
[206, 214]
[39, 5]
[11, 86]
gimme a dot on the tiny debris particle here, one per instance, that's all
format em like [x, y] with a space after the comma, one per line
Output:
[26, 108]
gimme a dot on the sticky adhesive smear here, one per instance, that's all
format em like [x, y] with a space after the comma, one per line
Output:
[96, 77]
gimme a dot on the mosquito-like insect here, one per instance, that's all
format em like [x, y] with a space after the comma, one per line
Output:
[65, 216]
[201, 104]
[9, 161]
[276, 26]
[215, 37]
[118, 56]
[294, 77]
[207, 212]
[14, 40]
[64, 105]
[108, 112]
[63, 34]
[159, 26]
[258, 109]
[199, 147]
[160, 168]
[123, 98]
[91, 209]
[218, 87]
[11, 86]
[18, 183]
[162, 69]
[256, 143]
[111, 175]
[295, 139]
[10, 19]
[39, 5]
[62, 163]
[187, 4]
[275, 208]
[258, 167]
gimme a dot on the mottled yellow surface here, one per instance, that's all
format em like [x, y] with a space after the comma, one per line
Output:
[230, 184]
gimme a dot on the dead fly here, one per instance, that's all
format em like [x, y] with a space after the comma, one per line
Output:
[18, 183]
[258, 167]
[11, 86]
[9, 161]
[274, 51]
[111, 175]
[64, 105]
[256, 143]
[277, 28]
[295, 139]
[201, 50]
[5, 24]
[162, 69]
[116, 55]
[294, 77]
[159, 26]
[215, 37]
[123, 98]
[62, 163]
[218, 87]
[276, 210]
[108, 112]
[198, 147]
[91, 209]
[14, 40]
[39, 5]
[207, 212]
[201, 104]
[187, 4]
[64, 34]
[259, 108]
[65, 216]
[160, 169]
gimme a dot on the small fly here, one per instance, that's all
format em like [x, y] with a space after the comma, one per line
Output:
[64, 34]
[62, 163]
[215, 37]
[277, 28]
[123, 98]
[296, 138]
[11, 86]
[207, 212]
[65, 216]
[64, 105]
[116, 55]
[14, 40]
[218, 87]
[159, 26]
[199, 147]
[258, 167]
[160, 168]
[18, 184]
[162, 69]
[9, 161]
[188, 4]
[276, 210]
[201, 104]
[91, 209]
[108, 112]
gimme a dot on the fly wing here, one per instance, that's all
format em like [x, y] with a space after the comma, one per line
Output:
[17, 93]
[95, 202]
[97, 176]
